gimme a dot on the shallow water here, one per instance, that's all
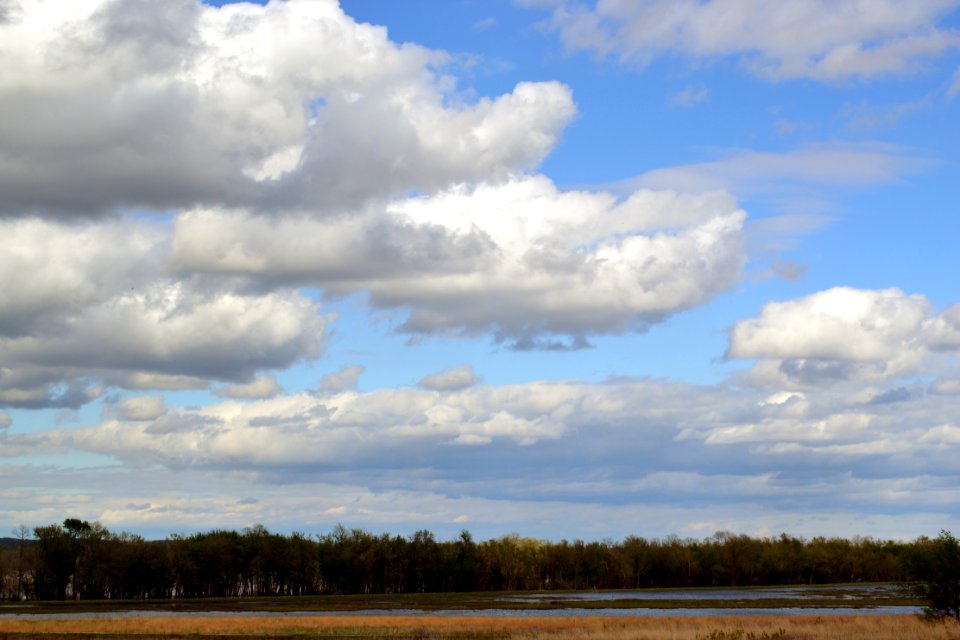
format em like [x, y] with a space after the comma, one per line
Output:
[491, 613]
[799, 594]
[846, 592]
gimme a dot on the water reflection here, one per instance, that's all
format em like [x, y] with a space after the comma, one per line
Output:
[838, 594]
[847, 592]
[492, 613]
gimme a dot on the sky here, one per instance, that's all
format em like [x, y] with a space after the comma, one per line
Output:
[559, 268]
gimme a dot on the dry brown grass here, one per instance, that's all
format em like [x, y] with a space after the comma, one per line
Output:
[527, 628]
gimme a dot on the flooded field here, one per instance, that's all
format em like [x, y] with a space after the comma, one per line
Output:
[772, 601]
[844, 593]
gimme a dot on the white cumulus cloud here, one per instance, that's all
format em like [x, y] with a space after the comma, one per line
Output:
[844, 333]
[265, 386]
[520, 259]
[345, 378]
[101, 307]
[452, 379]
[142, 408]
[110, 105]
[534, 444]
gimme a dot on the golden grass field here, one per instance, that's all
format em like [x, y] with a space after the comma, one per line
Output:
[562, 628]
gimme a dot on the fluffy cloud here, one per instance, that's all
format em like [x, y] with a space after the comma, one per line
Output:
[143, 380]
[294, 136]
[943, 332]
[837, 324]
[123, 104]
[538, 445]
[649, 421]
[344, 430]
[71, 268]
[344, 379]
[100, 307]
[265, 386]
[450, 380]
[946, 386]
[142, 408]
[520, 259]
[825, 40]
[844, 333]
[5, 420]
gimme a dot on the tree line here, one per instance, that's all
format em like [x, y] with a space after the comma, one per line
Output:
[82, 560]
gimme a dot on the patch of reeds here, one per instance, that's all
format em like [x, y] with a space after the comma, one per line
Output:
[527, 628]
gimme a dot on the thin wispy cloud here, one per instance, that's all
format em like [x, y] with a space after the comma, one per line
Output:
[828, 41]
[690, 96]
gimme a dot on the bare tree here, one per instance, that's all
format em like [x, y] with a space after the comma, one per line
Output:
[22, 534]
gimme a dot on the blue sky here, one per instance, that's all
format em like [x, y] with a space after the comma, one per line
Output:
[566, 269]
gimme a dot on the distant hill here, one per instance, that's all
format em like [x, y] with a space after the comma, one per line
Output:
[6, 543]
